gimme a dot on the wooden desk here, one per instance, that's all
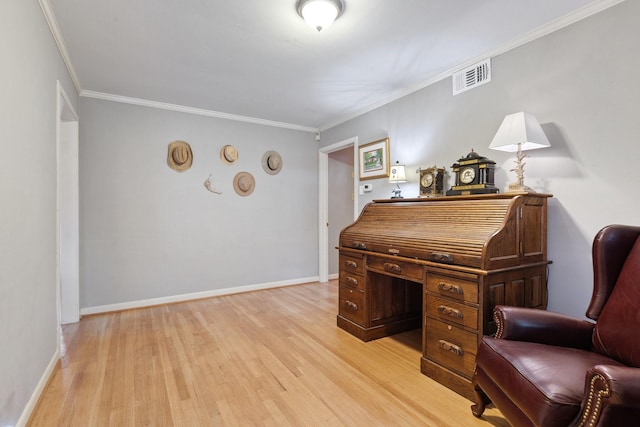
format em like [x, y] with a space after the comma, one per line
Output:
[442, 264]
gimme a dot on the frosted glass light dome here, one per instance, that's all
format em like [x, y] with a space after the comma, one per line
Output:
[320, 14]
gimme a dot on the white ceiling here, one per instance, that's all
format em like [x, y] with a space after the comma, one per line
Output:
[258, 59]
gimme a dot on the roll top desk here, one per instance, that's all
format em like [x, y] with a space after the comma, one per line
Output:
[442, 264]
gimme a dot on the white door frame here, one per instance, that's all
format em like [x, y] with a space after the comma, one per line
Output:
[323, 203]
[67, 215]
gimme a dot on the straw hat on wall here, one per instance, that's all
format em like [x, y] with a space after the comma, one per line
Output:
[244, 183]
[179, 157]
[229, 154]
[271, 162]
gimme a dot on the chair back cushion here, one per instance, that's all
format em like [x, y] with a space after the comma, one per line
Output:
[617, 331]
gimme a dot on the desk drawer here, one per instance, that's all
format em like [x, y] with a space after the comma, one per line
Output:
[450, 286]
[351, 279]
[351, 304]
[406, 270]
[353, 264]
[447, 310]
[451, 346]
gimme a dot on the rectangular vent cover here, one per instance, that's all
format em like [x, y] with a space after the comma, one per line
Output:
[471, 77]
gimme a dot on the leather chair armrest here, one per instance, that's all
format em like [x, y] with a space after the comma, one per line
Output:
[612, 396]
[544, 327]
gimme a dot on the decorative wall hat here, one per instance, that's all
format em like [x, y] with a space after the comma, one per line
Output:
[179, 157]
[244, 183]
[271, 162]
[229, 154]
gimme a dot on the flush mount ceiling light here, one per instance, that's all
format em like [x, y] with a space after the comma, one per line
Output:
[320, 14]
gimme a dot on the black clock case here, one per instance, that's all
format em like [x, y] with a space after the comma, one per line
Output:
[483, 182]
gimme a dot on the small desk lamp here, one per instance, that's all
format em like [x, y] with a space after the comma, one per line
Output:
[519, 132]
[397, 175]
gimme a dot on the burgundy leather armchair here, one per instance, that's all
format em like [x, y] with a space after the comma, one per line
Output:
[548, 369]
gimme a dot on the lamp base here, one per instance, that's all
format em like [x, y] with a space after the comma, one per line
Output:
[397, 194]
[518, 187]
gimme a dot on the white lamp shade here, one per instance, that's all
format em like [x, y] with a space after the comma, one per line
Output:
[519, 129]
[397, 174]
[320, 14]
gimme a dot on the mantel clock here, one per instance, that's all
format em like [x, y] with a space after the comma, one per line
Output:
[474, 174]
[431, 182]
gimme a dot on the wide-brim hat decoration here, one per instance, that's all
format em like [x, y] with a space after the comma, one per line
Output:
[244, 183]
[229, 154]
[271, 162]
[180, 156]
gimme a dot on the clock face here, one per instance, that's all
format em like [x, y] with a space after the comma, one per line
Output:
[426, 180]
[467, 175]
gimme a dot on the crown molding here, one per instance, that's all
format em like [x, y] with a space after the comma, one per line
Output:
[192, 110]
[542, 31]
[62, 47]
[578, 15]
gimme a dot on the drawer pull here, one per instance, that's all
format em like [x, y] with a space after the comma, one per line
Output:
[351, 305]
[352, 280]
[454, 289]
[451, 312]
[447, 346]
[351, 264]
[392, 268]
[446, 258]
[359, 245]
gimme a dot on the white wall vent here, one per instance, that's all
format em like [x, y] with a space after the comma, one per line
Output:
[471, 77]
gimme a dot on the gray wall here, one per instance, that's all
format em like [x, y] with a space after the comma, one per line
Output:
[31, 64]
[579, 82]
[150, 232]
[340, 201]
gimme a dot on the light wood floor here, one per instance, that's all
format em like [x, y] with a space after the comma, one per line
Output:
[265, 358]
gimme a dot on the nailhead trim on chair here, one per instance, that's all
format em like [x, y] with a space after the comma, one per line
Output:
[592, 409]
[499, 324]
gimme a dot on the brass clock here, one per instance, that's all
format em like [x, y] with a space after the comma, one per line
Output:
[432, 182]
[474, 174]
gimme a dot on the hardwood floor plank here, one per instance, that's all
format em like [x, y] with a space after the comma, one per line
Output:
[264, 358]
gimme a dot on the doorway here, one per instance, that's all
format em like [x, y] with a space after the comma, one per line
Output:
[68, 215]
[328, 221]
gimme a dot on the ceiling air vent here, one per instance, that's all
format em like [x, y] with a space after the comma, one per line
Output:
[471, 77]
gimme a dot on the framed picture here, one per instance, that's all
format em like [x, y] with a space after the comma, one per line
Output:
[374, 159]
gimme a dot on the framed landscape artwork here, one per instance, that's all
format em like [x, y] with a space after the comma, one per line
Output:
[374, 159]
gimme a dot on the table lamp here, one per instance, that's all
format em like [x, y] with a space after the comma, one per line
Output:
[519, 132]
[396, 176]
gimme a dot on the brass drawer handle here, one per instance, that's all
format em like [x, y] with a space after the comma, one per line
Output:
[451, 312]
[447, 346]
[351, 305]
[359, 245]
[352, 280]
[351, 264]
[392, 268]
[454, 289]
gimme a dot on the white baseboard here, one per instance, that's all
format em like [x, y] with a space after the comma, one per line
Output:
[192, 296]
[33, 401]
[333, 276]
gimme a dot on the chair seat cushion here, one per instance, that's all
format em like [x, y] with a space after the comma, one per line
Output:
[545, 382]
